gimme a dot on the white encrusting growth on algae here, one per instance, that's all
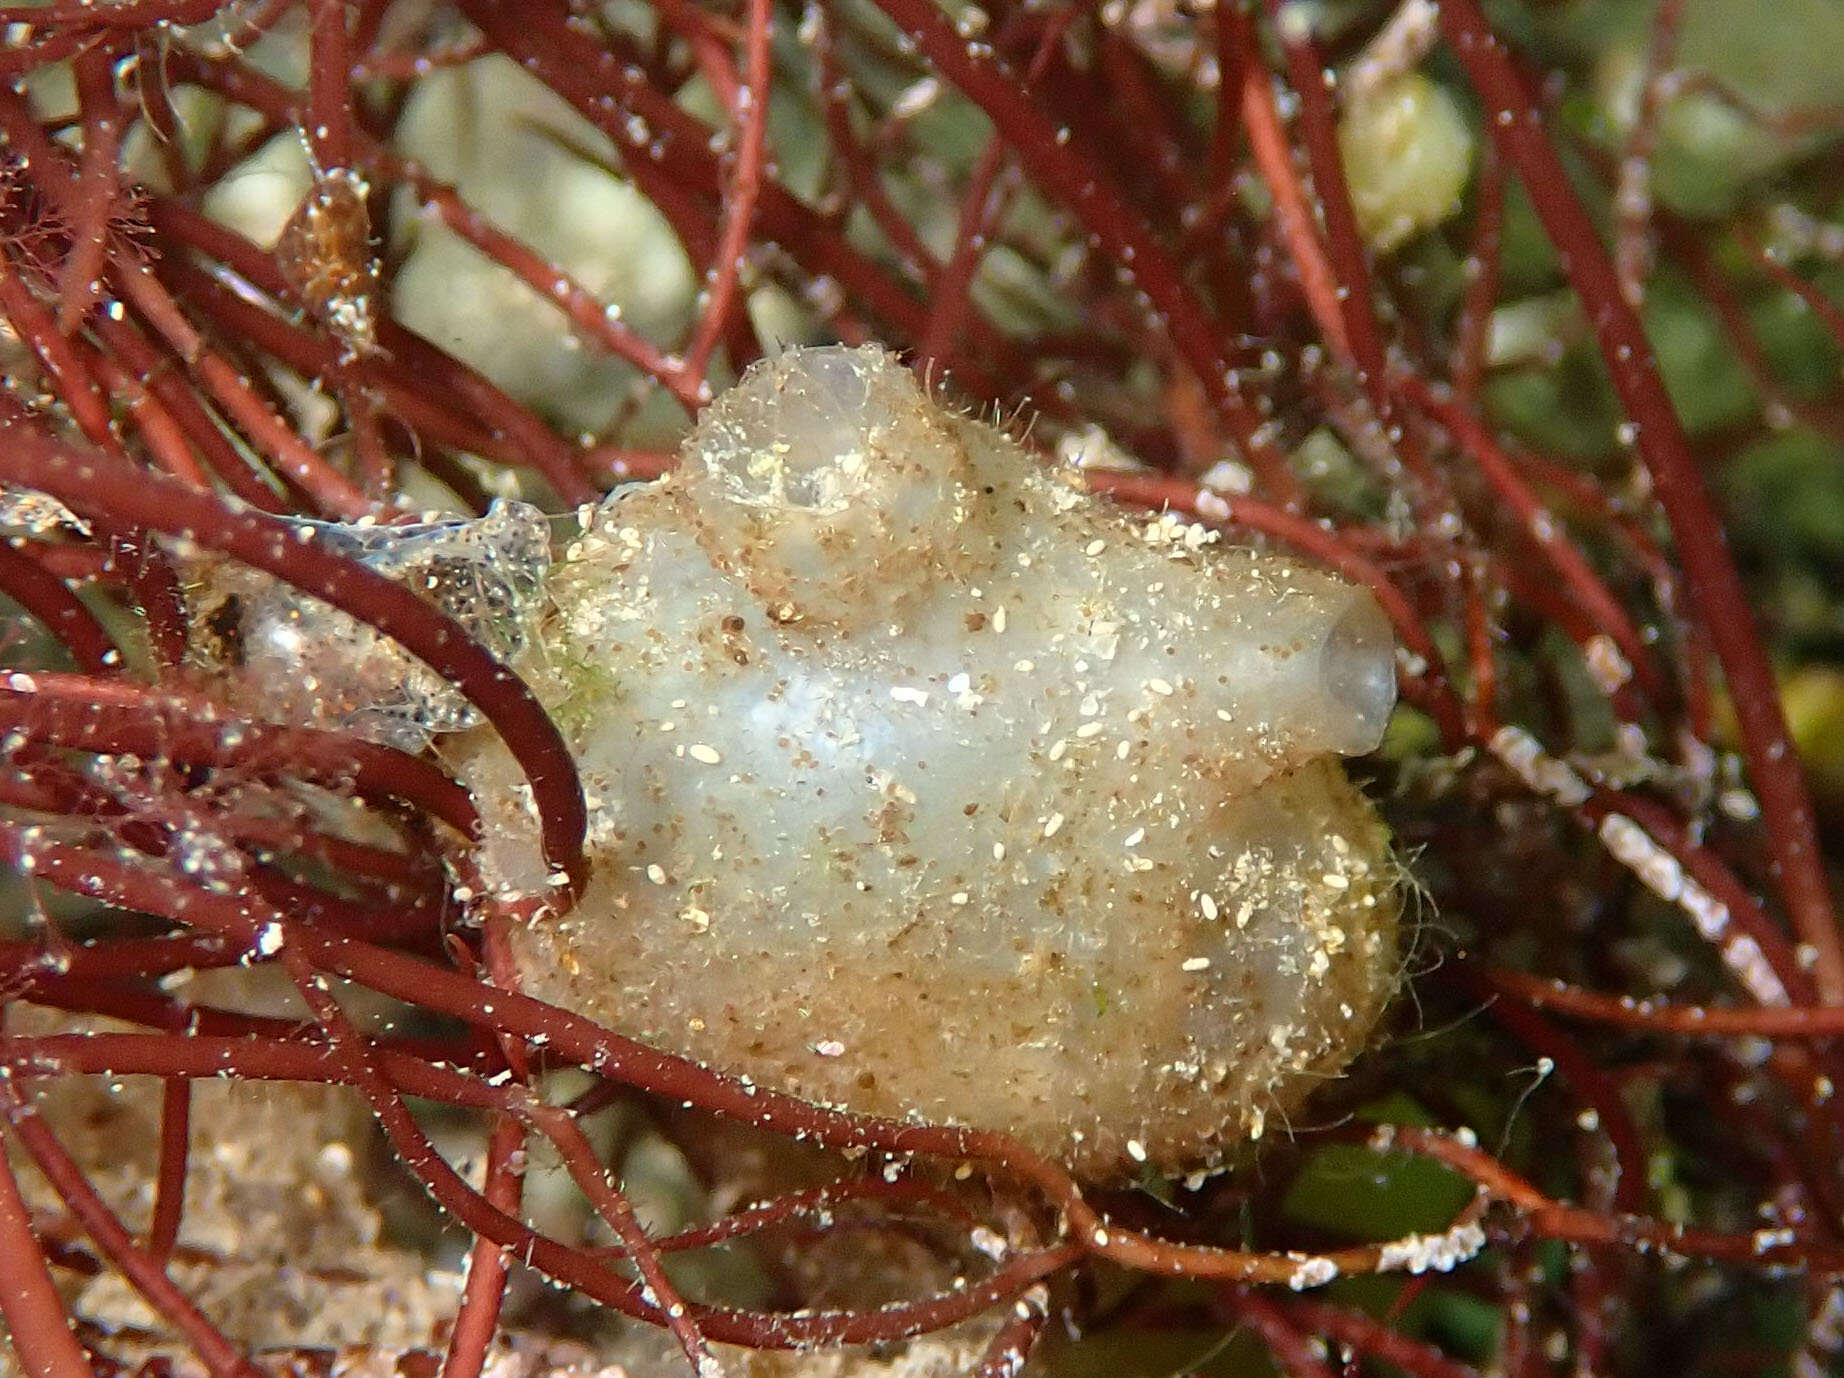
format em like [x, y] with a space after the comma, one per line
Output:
[926, 784]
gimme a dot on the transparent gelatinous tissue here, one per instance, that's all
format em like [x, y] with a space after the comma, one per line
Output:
[924, 783]
[26, 512]
[285, 656]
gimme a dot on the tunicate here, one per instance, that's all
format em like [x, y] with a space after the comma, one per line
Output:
[286, 656]
[924, 783]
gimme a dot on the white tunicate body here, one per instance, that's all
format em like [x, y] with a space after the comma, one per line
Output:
[925, 784]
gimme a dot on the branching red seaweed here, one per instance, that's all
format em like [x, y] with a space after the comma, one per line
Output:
[1143, 223]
